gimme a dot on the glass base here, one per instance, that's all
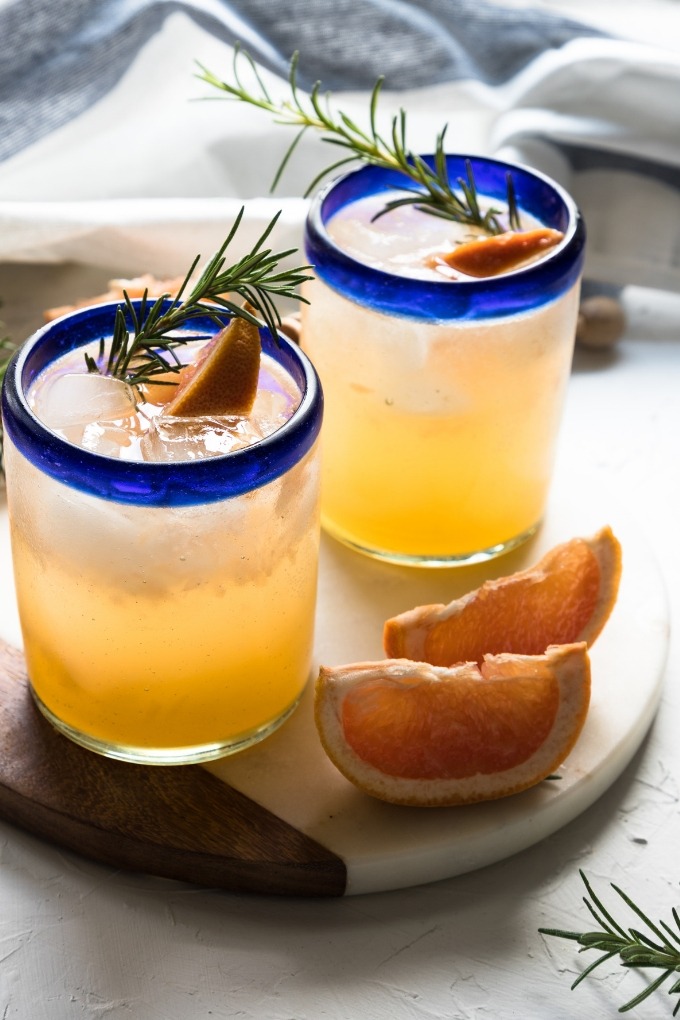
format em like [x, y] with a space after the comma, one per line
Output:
[165, 755]
[429, 559]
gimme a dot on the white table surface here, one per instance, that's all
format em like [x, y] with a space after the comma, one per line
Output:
[80, 939]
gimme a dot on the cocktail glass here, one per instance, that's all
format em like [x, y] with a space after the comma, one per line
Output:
[167, 608]
[443, 398]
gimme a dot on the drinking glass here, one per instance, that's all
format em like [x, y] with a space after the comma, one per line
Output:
[167, 608]
[443, 398]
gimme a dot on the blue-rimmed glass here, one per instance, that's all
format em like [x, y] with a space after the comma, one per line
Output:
[152, 484]
[393, 486]
[167, 609]
[510, 294]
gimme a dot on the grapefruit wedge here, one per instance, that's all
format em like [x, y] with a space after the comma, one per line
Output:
[429, 736]
[567, 597]
[490, 256]
[223, 378]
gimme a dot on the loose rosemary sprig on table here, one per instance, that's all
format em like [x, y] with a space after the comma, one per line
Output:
[430, 188]
[143, 346]
[635, 949]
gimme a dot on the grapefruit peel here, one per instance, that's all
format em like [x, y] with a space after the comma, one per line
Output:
[501, 253]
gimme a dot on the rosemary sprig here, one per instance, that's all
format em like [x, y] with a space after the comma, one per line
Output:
[7, 349]
[430, 188]
[658, 950]
[143, 345]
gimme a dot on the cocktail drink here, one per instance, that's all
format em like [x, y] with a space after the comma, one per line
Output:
[443, 390]
[165, 567]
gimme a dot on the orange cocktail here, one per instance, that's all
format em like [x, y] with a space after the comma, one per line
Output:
[443, 392]
[165, 569]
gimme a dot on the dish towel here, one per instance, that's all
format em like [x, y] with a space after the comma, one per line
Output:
[104, 150]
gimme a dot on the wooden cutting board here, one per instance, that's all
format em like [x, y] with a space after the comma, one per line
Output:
[178, 822]
[279, 818]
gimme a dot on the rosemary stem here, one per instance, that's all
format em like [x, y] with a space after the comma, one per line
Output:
[427, 186]
[144, 340]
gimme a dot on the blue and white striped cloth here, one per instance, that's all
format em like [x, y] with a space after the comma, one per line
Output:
[105, 158]
[58, 59]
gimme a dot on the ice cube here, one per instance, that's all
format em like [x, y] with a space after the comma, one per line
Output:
[77, 398]
[104, 438]
[173, 438]
[272, 408]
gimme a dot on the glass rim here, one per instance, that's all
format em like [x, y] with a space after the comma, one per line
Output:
[511, 293]
[153, 483]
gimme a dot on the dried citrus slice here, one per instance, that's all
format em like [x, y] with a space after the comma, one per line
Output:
[117, 289]
[223, 379]
[566, 597]
[411, 733]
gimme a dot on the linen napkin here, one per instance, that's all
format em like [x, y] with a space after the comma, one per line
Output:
[114, 154]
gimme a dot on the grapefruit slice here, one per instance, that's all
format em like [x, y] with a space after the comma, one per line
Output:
[567, 597]
[412, 733]
[490, 256]
[223, 378]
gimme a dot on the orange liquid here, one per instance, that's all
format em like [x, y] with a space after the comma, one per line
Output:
[150, 631]
[438, 439]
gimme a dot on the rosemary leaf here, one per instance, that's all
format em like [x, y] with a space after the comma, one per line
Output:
[433, 192]
[144, 341]
[635, 949]
[7, 349]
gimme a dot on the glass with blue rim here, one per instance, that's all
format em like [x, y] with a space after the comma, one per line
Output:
[443, 396]
[167, 607]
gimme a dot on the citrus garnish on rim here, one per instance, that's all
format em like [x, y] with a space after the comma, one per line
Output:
[500, 253]
[223, 378]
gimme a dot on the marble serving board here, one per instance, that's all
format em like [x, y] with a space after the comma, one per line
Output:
[279, 818]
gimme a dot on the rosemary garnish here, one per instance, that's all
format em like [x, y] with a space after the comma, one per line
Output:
[430, 189]
[634, 948]
[143, 345]
[7, 349]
